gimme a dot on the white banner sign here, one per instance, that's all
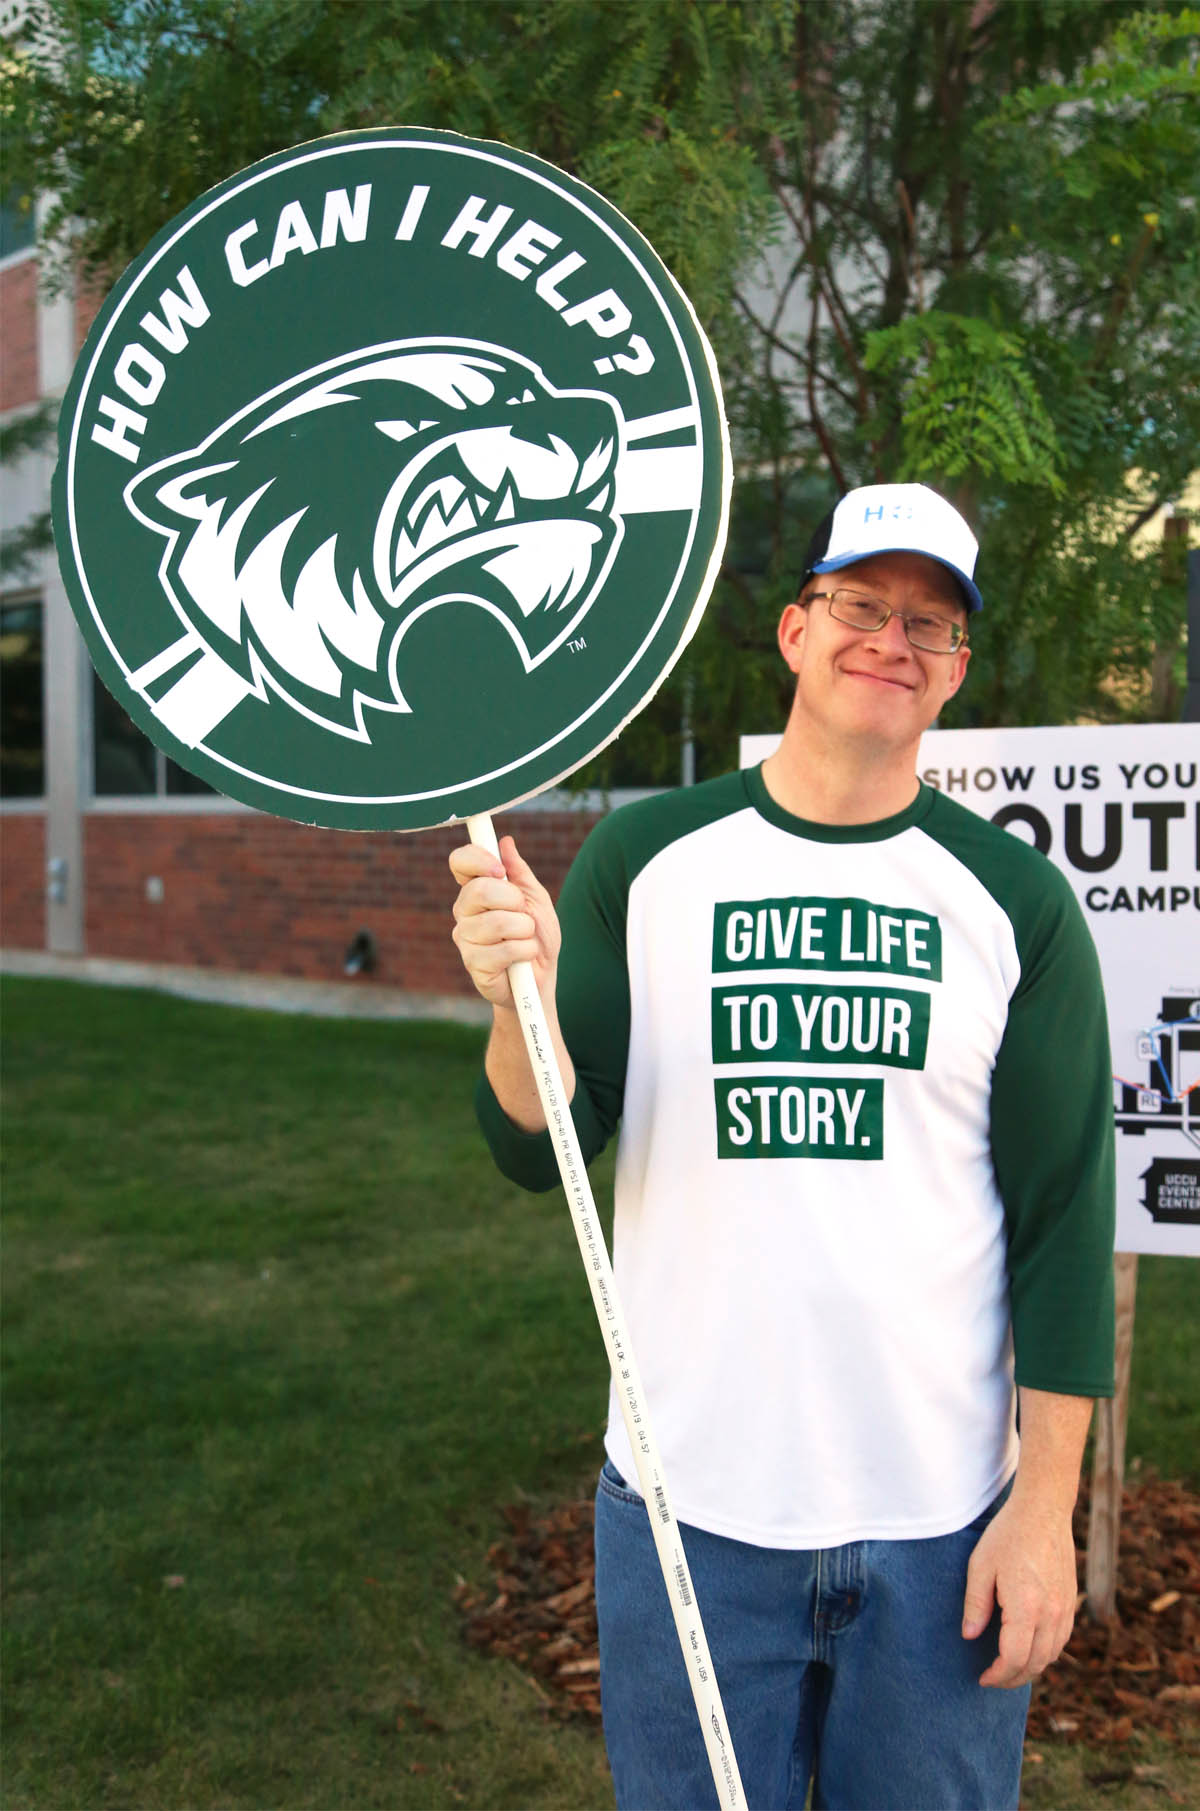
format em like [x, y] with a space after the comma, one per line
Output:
[1118, 810]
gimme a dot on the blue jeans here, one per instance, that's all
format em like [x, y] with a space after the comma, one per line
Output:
[845, 1667]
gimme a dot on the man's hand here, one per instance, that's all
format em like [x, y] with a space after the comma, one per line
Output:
[503, 914]
[1025, 1562]
[1025, 1558]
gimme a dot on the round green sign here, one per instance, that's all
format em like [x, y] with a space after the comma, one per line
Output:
[393, 479]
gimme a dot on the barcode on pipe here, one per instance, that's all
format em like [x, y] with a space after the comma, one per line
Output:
[660, 1498]
[681, 1580]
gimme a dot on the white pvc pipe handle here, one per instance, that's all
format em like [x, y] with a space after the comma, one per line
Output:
[632, 1400]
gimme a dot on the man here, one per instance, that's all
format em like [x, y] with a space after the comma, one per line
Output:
[856, 1040]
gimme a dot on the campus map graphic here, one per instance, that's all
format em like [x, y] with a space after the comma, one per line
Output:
[1167, 1101]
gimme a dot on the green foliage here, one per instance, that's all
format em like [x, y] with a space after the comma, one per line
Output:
[1132, 70]
[968, 402]
[128, 110]
[30, 432]
[21, 546]
[929, 239]
[992, 285]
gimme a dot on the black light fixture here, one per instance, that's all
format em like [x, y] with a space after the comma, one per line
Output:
[360, 957]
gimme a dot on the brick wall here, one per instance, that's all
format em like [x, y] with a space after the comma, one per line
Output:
[262, 894]
[18, 325]
[23, 880]
[245, 892]
[88, 300]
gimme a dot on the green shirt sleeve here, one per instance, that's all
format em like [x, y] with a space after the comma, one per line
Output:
[1051, 1126]
[1053, 1150]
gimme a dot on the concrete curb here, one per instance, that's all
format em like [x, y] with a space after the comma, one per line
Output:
[271, 993]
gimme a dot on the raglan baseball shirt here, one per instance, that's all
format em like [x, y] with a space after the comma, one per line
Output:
[865, 1174]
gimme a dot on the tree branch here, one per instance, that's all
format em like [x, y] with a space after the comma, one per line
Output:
[790, 351]
[839, 316]
[1122, 296]
[1145, 515]
[918, 273]
[819, 428]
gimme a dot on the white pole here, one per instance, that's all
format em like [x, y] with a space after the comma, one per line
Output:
[634, 1411]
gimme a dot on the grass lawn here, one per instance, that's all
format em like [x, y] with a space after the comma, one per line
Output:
[278, 1344]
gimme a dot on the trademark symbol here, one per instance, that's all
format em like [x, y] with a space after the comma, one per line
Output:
[577, 643]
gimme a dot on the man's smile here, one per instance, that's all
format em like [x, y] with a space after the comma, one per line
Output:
[904, 685]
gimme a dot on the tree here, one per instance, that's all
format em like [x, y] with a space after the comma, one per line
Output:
[979, 238]
[994, 232]
[125, 111]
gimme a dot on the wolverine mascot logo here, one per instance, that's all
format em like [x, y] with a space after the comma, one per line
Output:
[309, 532]
[392, 479]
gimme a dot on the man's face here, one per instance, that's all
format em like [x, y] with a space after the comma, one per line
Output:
[872, 687]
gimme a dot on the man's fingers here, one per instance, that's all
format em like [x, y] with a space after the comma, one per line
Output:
[488, 894]
[979, 1599]
[488, 885]
[470, 862]
[1031, 1639]
[488, 960]
[519, 870]
[1010, 1668]
[502, 915]
[1026, 1564]
[1049, 1639]
[1027, 1648]
[492, 927]
[1046, 1648]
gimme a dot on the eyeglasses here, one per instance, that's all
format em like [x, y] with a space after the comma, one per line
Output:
[925, 629]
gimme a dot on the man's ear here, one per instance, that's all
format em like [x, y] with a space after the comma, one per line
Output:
[960, 669]
[792, 625]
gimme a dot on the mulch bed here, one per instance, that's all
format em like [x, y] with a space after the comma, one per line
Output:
[1141, 1672]
[544, 1614]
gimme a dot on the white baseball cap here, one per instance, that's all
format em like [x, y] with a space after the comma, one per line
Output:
[896, 518]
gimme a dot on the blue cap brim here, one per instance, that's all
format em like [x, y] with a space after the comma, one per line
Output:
[970, 590]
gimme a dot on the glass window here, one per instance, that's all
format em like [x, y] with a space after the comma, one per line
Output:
[16, 223]
[22, 746]
[125, 758]
[127, 764]
[179, 780]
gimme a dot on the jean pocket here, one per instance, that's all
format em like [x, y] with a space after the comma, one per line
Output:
[613, 1485]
